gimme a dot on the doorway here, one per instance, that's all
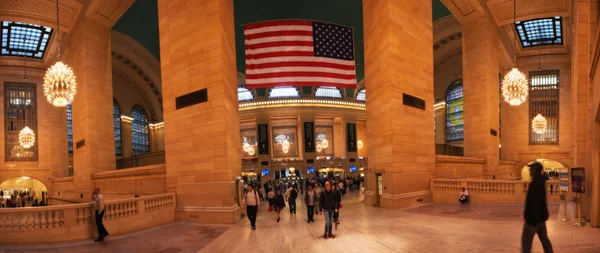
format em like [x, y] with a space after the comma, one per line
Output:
[379, 189]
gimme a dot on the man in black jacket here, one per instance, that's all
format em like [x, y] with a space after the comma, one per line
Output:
[536, 211]
[328, 204]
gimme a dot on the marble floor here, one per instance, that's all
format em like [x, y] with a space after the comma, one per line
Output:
[433, 227]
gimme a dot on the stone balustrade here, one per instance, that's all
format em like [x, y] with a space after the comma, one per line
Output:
[76, 221]
[488, 191]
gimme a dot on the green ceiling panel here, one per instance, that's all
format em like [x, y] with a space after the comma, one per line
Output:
[307, 90]
[140, 22]
[261, 92]
[439, 10]
[350, 92]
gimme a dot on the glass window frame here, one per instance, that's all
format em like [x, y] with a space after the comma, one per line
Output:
[138, 113]
[449, 101]
[11, 137]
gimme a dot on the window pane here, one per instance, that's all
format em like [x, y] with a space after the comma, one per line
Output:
[20, 110]
[13, 43]
[543, 31]
[328, 92]
[284, 92]
[454, 112]
[543, 99]
[361, 96]
[117, 126]
[244, 94]
[70, 127]
[139, 131]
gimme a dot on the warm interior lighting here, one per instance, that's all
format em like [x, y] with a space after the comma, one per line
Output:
[514, 87]
[156, 125]
[539, 124]
[359, 144]
[325, 143]
[60, 85]
[26, 137]
[319, 147]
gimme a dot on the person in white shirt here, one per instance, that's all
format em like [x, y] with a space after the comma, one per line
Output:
[464, 196]
[99, 208]
[251, 200]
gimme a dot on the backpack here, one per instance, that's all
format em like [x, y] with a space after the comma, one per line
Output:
[294, 194]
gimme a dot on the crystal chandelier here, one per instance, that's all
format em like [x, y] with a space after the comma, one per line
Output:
[359, 144]
[539, 124]
[250, 151]
[325, 143]
[245, 145]
[514, 85]
[59, 82]
[26, 137]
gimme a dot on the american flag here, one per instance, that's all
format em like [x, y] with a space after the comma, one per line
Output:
[299, 53]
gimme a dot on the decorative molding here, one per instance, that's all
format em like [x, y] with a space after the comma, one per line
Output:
[63, 180]
[281, 103]
[42, 12]
[406, 195]
[502, 10]
[207, 209]
[158, 169]
[458, 159]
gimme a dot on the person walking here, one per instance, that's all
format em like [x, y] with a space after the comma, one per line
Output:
[99, 207]
[278, 204]
[291, 195]
[328, 205]
[310, 198]
[318, 191]
[536, 211]
[251, 200]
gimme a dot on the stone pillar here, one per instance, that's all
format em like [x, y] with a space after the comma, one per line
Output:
[157, 137]
[202, 141]
[126, 136]
[399, 60]
[581, 92]
[89, 55]
[480, 89]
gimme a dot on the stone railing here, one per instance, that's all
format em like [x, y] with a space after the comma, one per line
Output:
[141, 160]
[488, 191]
[77, 221]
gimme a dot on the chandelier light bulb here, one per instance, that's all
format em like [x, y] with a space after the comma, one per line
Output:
[60, 85]
[26, 137]
[359, 144]
[285, 144]
[250, 151]
[285, 150]
[514, 87]
[319, 147]
[325, 143]
[539, 124]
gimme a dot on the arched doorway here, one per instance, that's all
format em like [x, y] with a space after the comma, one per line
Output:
[23, 184]
[550, 168]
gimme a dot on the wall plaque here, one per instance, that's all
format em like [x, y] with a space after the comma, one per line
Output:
[196, 97]
[309, 137]
[351, 137]
[80, 144]
[263, 139]
[413, 101]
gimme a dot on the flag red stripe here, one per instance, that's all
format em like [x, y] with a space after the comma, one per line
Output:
[267, 85]
[299, 64]
[278, 54]
[300, 74]
[280, 44]
[278, 23]
[277, 33]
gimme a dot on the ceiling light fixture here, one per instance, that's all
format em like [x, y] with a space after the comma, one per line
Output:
[514, 85]
[59, 82]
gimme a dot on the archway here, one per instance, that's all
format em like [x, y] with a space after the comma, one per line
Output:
[23, 184]
[550, 168]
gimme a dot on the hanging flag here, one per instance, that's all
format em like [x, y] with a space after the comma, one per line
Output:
[299, 53]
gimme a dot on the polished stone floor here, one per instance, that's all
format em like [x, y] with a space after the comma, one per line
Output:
[427, 228]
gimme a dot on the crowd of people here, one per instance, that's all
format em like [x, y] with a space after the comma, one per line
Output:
[12, 198]
[320, 196]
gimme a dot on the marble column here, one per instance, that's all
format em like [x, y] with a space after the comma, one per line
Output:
[126, 136]
[89, 55]
[399, 60]
[202, 141]
[480, 89]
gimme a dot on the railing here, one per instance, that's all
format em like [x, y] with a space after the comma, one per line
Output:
[76, 221]
[488, 191]
[444, 149]
[141, 160]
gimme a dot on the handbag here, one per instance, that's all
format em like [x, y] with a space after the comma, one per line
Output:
[340, 205]
[270, 208]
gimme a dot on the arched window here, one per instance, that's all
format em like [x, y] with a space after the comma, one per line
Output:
[328, 92]
[454, 112]
[362, 95]
[244, 94]
[284, 92]
[117, 125]
[140, 139]
[70, 127]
